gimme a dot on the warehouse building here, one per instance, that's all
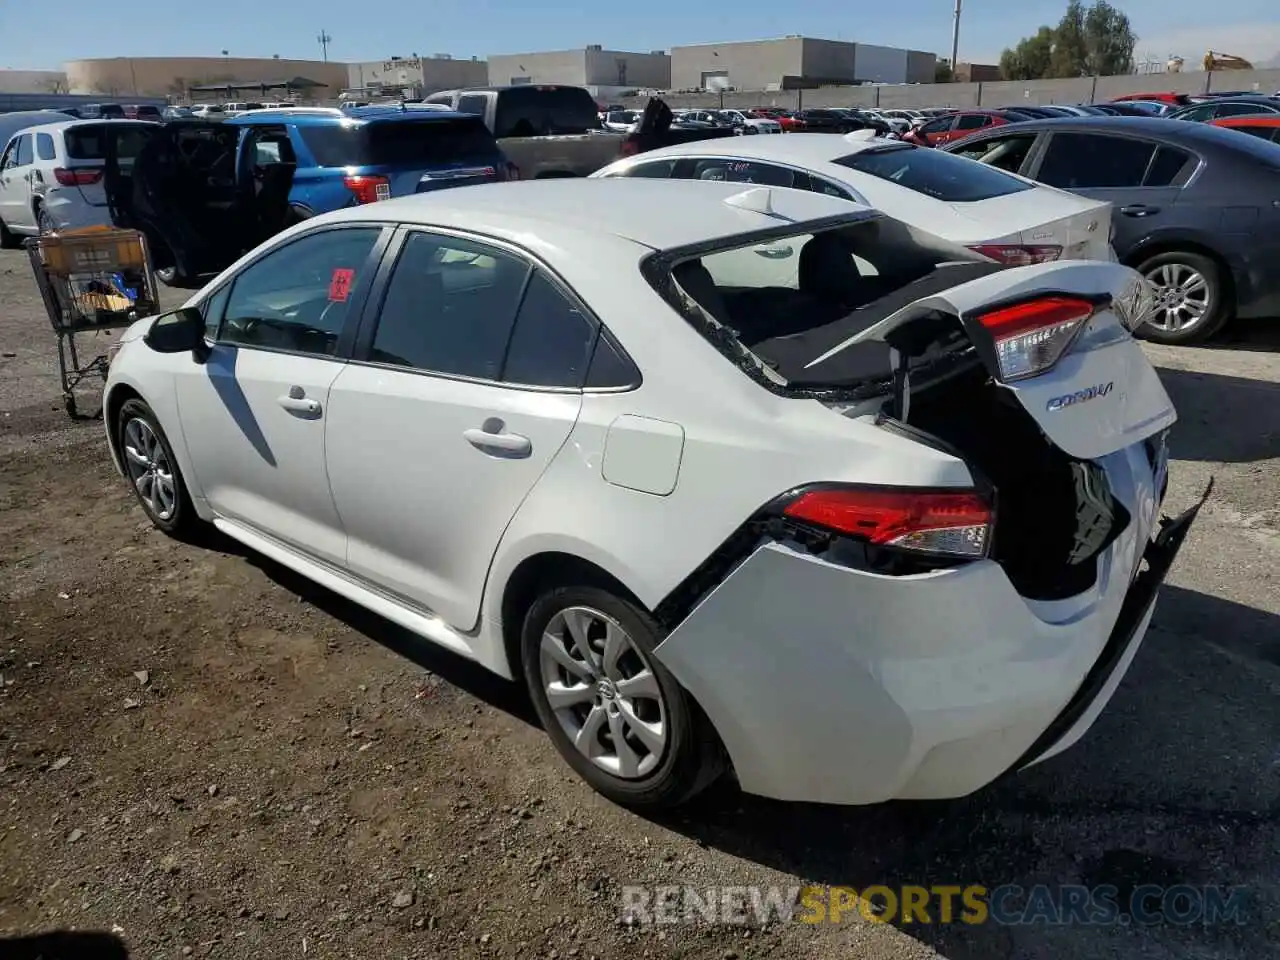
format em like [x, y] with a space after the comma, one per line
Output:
[599, 70]
[175, 76]
[793, 63]
[414, 76]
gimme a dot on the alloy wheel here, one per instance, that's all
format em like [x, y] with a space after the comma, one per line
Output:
[603, 691]
[1181, 297]
[149, 469]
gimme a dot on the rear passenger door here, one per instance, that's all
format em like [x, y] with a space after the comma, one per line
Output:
[1140, 178]
[466, 381]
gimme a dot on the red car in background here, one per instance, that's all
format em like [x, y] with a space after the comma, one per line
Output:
[1263, 125]
[954, 126]
[789, 122]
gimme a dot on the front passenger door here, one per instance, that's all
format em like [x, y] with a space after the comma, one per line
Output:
[254, 412]
[15, 183]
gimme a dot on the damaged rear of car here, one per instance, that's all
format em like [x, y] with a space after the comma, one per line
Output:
[925, 640]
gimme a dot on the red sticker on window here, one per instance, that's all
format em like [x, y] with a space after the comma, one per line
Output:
[340, 284]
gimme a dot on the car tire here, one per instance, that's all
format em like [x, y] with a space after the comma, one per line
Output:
[8, 239]
[1184, 282]
[676, 754]
[45, 222]
[145, 453]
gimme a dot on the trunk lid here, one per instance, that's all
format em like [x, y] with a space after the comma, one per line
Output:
[1101, 396]
[1079, 225]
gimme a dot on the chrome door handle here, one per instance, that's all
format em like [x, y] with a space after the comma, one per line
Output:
[493, 440]
[1138, 210]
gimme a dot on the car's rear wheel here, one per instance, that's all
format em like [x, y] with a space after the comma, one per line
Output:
[45, 221]
[615, 713]
[153, 470]
[1191, 301]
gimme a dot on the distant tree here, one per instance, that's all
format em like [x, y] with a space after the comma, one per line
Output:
[942, 73]
[54, 85]
[1030, 59]
[1109, 40]
[1088, 41]
[1070, 48]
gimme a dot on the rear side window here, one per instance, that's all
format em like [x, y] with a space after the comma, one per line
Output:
[399, 142]
[89, 142]
[745, 171]
[44, 147]
[972, 121]
[1167, 167]
[934, 173]
[475, 104]
[654, 169]
[552, 341]
[1076, 161]
[542, 111]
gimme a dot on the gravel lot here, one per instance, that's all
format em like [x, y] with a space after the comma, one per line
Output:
[222, 760]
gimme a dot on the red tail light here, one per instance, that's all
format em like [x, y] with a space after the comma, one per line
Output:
[925, 521]
[368, 189]
[1031, 337]
[78, 177]
[1018, 255]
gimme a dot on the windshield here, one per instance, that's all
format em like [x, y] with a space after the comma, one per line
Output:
[418, 141]
[543, 111]
[934, 173]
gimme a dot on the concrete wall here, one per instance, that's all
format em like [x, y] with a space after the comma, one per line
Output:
[33, 81]
[873, 64]
[752, 65]
[618, 68]
[426, 74]
[922, 66]
[997, 94]
[161, 76]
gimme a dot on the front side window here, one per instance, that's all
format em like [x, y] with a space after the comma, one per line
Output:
[474, 104]
[941, 125]
[1076, 161]
[298, 297]
[653, 169]
[24, 156]
[450, 307]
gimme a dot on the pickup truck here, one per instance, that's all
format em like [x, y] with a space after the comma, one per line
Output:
[555, 130]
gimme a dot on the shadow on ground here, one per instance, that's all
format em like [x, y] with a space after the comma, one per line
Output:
[1211, 408]
[459, 671]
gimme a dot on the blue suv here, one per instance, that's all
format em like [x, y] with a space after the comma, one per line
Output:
[345, 157]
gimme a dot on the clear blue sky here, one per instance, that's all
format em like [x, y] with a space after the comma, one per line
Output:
[44, 36]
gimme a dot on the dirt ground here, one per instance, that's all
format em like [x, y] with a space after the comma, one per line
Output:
[218, 759]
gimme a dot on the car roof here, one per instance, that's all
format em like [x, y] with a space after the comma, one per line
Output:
[354, 115]
[797, 148]
[568, 213]
[60, 125]
[1160, 128]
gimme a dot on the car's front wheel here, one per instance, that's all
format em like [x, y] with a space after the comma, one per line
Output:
[1190, 298]
[153, 470]
[615, 713]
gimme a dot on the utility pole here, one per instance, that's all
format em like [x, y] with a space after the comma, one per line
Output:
[324, 40]
[955, 39]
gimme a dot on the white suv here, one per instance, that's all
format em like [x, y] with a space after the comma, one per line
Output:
[51, 175]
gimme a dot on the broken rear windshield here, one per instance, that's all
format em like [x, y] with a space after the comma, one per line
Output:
[934, 173]
[413, 142]
[780, 306]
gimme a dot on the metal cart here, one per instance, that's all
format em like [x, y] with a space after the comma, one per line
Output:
[91, 280]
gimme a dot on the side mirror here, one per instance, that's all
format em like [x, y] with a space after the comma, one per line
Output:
[177, 332]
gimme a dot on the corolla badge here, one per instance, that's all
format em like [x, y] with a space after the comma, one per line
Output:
[1080, 396]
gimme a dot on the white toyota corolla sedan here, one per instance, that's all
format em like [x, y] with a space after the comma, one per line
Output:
[889, 532]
